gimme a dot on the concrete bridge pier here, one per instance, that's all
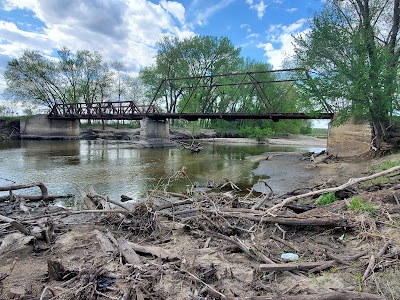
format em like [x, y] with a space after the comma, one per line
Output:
[154, 133]
[41, 127]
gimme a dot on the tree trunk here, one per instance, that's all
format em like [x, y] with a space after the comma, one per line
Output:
[376, 135]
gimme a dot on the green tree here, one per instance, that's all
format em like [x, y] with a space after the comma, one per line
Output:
[195, 56]
[33, 77]
[84, 76]
[119, 68]
[73, 77]
[352, 52]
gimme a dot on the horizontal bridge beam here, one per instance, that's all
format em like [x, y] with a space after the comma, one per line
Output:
[196, 116]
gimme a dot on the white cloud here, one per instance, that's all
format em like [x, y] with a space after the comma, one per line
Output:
[174, 8]
[204, 14]
[292, 9]
[260, 7]
[246, 27]
[125, 30]
[279, 43]
[253, 36]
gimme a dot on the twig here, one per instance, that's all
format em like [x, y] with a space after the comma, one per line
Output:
[370, 268]
[286, 243]
[384, 248]
[207, 285]
[323, 267]
[44, 292]
[281, 230]
[253, 254]
[262, 201]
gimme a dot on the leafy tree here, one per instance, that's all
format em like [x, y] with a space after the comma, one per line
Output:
[84, 76]
[195, 56]
[34, 77]
[73, 77]
[135, 90]
[119, 69]
[353, 54]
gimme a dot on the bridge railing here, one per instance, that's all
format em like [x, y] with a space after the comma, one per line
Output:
[101, 110]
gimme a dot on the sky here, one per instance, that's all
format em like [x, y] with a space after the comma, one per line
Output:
[128, 30]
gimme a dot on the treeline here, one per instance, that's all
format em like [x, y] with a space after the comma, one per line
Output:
[84, 76]
[68, 78]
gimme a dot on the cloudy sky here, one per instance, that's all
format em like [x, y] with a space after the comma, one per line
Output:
[127, 30]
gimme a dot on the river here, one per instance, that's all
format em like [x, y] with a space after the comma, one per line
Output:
[116, 167]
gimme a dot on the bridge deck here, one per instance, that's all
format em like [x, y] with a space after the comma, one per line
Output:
[195, 116]
[129, 110]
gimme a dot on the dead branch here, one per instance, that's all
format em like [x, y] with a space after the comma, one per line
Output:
[384, 248]
[292, 221]
[153, 250]
[293, 266]
[174, 204]
[130, 255]
[339, 295]
[352, 181]
[251, 252]
[286, 243]
[370, 268]
[17, 225]
[43, 189]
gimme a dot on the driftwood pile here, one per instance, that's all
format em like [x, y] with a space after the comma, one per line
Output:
[214, 245]
[193, 147]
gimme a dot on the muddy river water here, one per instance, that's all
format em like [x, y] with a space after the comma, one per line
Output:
[116, 167]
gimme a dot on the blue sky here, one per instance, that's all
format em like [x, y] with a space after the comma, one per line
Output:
[127, 30]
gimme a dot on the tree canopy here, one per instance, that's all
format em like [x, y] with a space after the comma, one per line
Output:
[70, 78]
[352, 52]
[186, 77]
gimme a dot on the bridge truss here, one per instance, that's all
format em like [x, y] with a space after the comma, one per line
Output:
[222, 96]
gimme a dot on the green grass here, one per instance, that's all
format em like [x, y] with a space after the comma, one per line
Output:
[358, 206]
[387, 164]
[326, 199]
[319, 132]
[13, 118]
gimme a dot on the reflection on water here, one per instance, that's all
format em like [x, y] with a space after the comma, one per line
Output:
[115, 168]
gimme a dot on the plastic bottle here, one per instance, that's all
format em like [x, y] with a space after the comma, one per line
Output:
[289, 256]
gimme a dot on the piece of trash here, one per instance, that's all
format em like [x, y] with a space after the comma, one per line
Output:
[289, 256]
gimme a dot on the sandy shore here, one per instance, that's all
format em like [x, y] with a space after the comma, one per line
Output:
[292, 140]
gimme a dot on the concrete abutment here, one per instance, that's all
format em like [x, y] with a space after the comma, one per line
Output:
[349, 139]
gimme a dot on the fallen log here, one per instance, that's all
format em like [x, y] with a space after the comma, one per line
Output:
[260, 216]
[17, 225]
[352, 181]
[292, 221]
[293, 266]
[105, 244]
[43, 189]
[154, 250]
[337, 295]
[130, 255]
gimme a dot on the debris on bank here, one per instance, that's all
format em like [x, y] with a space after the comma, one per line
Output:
[206, 245]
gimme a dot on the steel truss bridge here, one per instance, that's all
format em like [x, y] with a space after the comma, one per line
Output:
[219, 94]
